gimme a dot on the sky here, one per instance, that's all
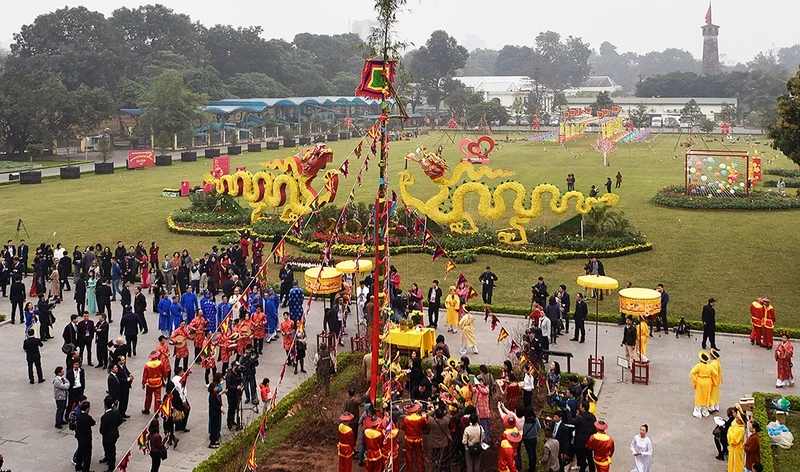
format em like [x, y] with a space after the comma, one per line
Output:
[745, 27]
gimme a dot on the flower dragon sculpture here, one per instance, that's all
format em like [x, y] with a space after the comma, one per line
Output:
[491, 205]
[292, 189]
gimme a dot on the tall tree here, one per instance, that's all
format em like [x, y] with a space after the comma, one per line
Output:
[603, 101]
[169, 106]
[337, 53]
[480, 62]
[256, 85]
[435, 63]
[513, 60]
[790, 57]
[149, 29]
[786, 132]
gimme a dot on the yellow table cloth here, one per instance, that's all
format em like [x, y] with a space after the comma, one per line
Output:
[422, 340]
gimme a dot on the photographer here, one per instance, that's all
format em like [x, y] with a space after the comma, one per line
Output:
[46, 318]
[247, 366]
[233, 387]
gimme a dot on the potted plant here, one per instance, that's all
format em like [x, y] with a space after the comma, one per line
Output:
[163, 144]
[32, 176]
[254, 147]
[69, 172]
[288, 138]
[106, 148]
[234, 149]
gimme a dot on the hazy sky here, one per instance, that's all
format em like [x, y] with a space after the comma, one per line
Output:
[632, 25]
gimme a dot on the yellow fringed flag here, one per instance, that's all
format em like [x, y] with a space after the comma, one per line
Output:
[503, 334]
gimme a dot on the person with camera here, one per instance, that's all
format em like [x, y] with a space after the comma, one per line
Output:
[46, 317]
[233, 388]
[248, 363]
[539, 292]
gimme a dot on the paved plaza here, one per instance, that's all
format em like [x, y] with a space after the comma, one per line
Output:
[29, 441]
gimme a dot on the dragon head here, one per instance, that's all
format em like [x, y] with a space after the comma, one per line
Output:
[316, 159]
[433, 165]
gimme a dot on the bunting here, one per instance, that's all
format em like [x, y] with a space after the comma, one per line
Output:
[495, 322]
[427, 238]
[471, 294]
[523, 358]
[358, 178]
[450, 267]
[263, 276]
[438, 252]
[345, 168]
[514, 347]
[262, 430]
[297, 228]
[419, 226]
[141, 442]
[251, 460]
[359, 149]
[123, 464]
[280, 251]
[166, 406]
[461, 280]
[225, 326]
[503, 334]
[486, 313]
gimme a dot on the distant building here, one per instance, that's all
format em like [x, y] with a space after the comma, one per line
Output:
[710, 107]
[710, 46]
[593, 85]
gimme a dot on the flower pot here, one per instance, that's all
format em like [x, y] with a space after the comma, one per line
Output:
[164, 160]
[344, 135]
[303, 140]
[354, 134]
[255, 147]
[210, 153]
[234, 150]
[333, 137]
[290, 142]
[70, 173]
[31, 177]
[103, 168]
[273, 145]
[188, 156]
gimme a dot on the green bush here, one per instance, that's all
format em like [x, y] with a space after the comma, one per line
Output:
[205, 218]
[464, 257]
[789, 182]
[267, 227]
[673, 197]
[782, 172]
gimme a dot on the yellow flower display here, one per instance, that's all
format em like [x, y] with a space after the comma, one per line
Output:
[491, 204]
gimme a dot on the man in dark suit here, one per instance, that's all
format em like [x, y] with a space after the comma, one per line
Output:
[119, 251]
[540, 292]
[103, 294]
[114, 386]
[710, 324]
[45, 317]
[584, 429]
[80, 293]
[487, 279]
[120, 349]
[64, 267]
[33, 355]
[22, 253]
[70, 336]
[101, 339]
[581, 310]
[125, 382]
[139, 307]
[562, 432]
[129, 327]
[86, 334]
[83, 433]
[77, 383]
[17, 297]
[125, 294]
[563, 296]
[434, 302]
[109, 430]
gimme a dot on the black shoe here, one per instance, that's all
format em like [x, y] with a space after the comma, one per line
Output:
[32, 382]
[13, 322]
[582, 341]
[573, 339]
[752, 342]
[185, 430]
[98, 366]
[145, 412]
[126, 416]
[103, 460]
[89, 363]
[58, 426]
[41, 380]
[144, 332]
[303, 371]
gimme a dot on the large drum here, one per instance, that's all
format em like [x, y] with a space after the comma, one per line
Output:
[639, 302]
[330, 281]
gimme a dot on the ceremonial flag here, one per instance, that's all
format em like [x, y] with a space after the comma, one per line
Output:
[426, 238]
[225, 326]
[503, 334]
[251, 459]
[376, 78]
[357, 151]
[450, 267]
[207, 350]
[280, 250]
[262, 430]
[438, 252]
[461, 280]
[166, 406]
[297, 227]
[345, 168]
[123, 464]
[419, 226]
[472, 293]
[358, 177]
[283, 372]
[495, 322]
[514, 347]
[263, 276]
[141, 442]
[523, 359]
[708, 14]
[486, 314]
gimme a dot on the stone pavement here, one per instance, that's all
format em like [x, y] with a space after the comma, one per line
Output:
[683, 442]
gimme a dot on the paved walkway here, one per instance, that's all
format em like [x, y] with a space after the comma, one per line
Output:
[30, 443]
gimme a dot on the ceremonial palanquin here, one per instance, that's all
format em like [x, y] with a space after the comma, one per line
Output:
[292, 189]
[491, 205]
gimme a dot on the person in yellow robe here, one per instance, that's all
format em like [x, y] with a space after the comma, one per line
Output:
[642, 333]
[736, 441]
[715, 389]
[453, 305]
[704, 377]
[592, 399]
[466, 323]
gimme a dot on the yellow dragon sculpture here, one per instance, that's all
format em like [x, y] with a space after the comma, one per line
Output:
[491, 205]
[292, 189]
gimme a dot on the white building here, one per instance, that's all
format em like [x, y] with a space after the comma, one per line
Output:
[663, 107]
[506, 89]
[594, 84]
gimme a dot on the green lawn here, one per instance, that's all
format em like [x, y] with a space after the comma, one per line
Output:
[733, 256]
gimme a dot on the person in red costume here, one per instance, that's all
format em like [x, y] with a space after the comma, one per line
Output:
[179, 339]
[602, 445]
[391, 445]
[507, 454]
[373, 440]
[762, 317]
[347, 443]
[259, 322]
[196, 328]
[152, 380]
[414, 426]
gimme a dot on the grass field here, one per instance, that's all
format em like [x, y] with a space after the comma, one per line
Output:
[733, 256]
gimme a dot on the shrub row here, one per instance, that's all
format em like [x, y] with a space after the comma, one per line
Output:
[783, 172]
[673, 197]
[789, 182]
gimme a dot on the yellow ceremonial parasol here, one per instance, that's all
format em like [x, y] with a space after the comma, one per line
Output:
[349, 267]
[640, 302]
[599, 282]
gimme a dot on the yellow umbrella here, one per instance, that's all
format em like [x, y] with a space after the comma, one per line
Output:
[349, 267]
[599, 282]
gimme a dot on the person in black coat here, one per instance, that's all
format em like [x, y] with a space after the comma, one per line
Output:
[119, 350]
[5, 277]
[540, 292]
[125, 382]
[101, 339]
[33, 355]
[125, 295]
[562, 432]
[487, 279]
[129, 327]
[233, 387]
[83, 433]
[70, 336]
[287, 278]
[23, 252]
[103, 294]
[86, 334]
[564, 298]
[584, 429]
[80, 293]
[64, 268]
[434, 303]
[581, 310]
[109, 430]
[45, 317]
[17, 297]
[710, 324]
[139, 307]
[77, 383]
[114, 386]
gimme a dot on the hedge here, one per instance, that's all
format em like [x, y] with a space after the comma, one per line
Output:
[783, 172]
[232, 455]
[789, 182]
[674, 197]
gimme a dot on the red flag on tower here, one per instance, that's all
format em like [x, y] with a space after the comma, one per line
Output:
[708, 14]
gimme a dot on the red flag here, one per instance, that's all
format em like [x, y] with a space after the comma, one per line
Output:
[472, 293]
[708, 14]
[280, 250]
[450, 267]
[461, 279]
[123, 464]
[141, 442]
[495, 322]
[503, 334]
[427, 238]
[514, 346]
[438, 252]
[345, 168]
[262, 430]
[251, 459]
[358, 149]
[166, 406]
[523, 358]
[486, 313]
[297, 227]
